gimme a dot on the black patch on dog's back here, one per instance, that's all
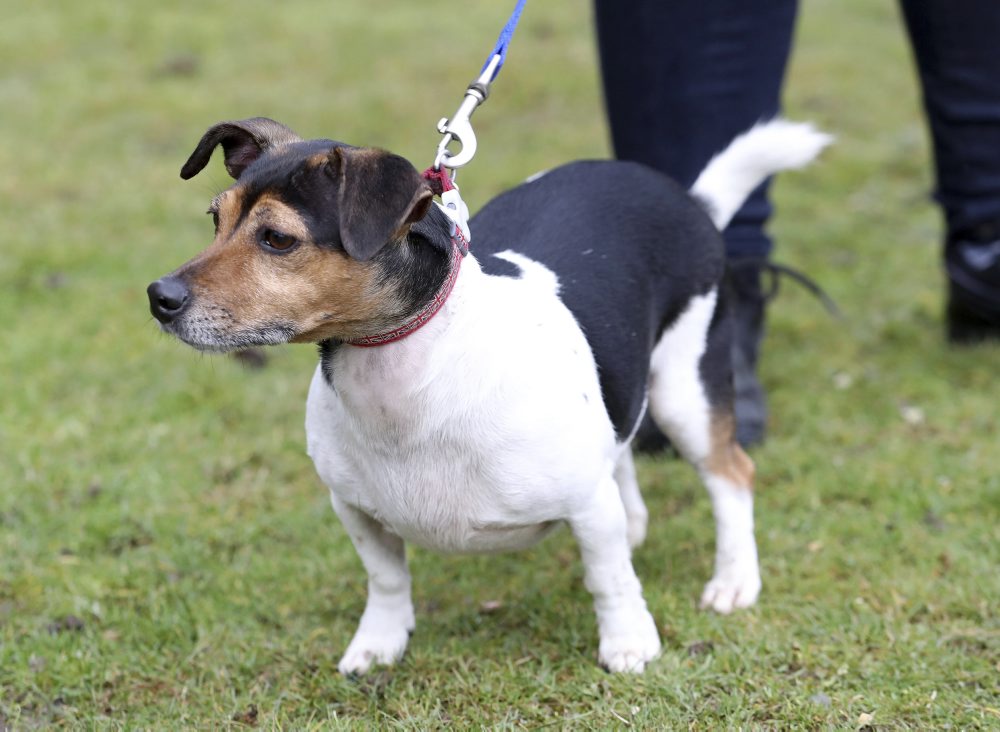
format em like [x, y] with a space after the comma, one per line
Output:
[630, 248]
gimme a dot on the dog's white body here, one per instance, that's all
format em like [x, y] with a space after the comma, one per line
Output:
[475, 433]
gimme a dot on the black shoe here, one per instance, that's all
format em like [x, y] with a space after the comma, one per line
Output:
[972, 261]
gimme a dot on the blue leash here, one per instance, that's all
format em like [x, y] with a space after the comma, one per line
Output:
[504, 40]
[459, 126]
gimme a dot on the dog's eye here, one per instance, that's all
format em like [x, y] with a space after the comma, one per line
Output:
[276, 240]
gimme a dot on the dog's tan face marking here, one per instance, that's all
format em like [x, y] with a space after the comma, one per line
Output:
[313, 290]
[726, 458]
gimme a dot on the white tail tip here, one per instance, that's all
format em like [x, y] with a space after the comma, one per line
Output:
[762, 151]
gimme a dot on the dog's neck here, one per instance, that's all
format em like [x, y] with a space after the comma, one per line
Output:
[423, 270]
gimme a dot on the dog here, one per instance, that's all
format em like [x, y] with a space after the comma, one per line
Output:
[472, 403]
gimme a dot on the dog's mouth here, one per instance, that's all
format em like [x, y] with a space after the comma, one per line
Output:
[210, 337]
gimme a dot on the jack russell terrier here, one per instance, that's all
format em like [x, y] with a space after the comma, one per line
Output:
[473, 402]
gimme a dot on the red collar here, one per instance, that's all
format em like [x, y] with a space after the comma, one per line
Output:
[460, 248]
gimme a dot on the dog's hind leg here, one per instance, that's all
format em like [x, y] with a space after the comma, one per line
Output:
[691, 397]
[628, 635]
[388, 618]
[636, 515]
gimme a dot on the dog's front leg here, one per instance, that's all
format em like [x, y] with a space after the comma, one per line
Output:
[628, 636]
[388, 619]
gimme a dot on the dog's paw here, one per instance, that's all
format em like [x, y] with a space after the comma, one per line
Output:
[731, 589]
[630, 649]
[368, 649]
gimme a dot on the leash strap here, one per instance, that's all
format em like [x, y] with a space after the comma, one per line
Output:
[459, 127]
[500, 49]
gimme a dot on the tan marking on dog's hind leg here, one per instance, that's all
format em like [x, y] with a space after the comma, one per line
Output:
[726, 458]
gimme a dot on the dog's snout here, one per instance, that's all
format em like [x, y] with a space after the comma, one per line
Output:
[167, 298]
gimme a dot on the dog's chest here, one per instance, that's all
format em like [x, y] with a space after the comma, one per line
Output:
[474, 439]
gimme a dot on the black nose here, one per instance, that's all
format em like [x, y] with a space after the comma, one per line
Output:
[167, 298]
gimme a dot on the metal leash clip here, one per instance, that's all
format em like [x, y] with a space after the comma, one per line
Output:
[459, 127]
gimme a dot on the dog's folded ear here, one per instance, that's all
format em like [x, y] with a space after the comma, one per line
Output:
[242, 142]
[379, 196]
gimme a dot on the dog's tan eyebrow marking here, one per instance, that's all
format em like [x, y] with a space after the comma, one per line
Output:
[235, 199]
[279, 215]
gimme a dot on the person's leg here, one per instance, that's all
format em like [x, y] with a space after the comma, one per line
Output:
[957, 48]
[682, 78]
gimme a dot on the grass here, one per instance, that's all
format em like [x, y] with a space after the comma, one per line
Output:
[168, 558]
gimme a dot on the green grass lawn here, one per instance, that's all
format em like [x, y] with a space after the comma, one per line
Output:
[168, 558]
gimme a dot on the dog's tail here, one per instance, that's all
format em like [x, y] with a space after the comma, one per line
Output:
[768, 147]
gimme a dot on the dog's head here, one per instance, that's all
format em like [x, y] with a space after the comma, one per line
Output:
[310, 242]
